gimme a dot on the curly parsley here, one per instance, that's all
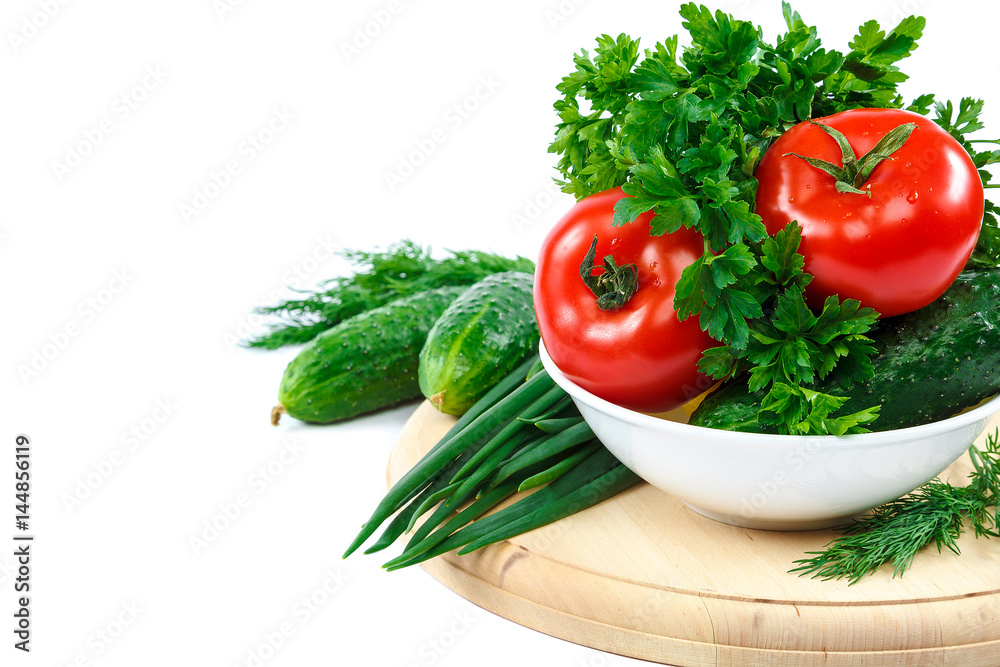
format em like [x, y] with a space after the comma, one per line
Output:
[682, 130]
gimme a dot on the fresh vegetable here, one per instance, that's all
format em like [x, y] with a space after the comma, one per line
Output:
[523, 432]
[403, 269]
[930, 364]
[936, 513]
[479, 339]
[603, 297]
[364, 363]
[682, 131]
[889, 203]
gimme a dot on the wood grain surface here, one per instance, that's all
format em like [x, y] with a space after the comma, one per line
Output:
[644, 576]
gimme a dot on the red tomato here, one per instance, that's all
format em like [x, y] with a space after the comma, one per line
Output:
[900, 248]
[639, 356]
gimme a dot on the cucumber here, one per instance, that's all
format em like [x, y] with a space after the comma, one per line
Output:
[930, 364]
[479, 340]
[365, 363]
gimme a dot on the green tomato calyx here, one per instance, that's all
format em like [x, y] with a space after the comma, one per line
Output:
[614, 285]
[852, 175]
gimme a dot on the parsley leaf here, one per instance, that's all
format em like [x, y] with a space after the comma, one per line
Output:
[808, 412]
[656, 186]
[794, 346]
[959, 123]
[874, 53]
[780, 256]
[965, 122]
[603, 83]
[705, 287]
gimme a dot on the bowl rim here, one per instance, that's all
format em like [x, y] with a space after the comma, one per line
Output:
[984, 410]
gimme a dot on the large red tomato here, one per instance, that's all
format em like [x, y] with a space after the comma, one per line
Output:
[900, 243]
[639, 355]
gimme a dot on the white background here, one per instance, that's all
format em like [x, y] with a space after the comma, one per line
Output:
[124, 305]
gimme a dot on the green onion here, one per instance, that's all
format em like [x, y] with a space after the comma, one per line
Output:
[502, 402]
[526, 433]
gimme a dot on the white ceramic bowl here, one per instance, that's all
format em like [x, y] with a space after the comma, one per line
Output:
[776, 482]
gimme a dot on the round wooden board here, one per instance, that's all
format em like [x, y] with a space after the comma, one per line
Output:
[641, 575]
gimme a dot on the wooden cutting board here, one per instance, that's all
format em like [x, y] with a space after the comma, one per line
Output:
[641, 575]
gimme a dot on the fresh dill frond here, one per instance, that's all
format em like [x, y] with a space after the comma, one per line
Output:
[378, 277]
[937, 513]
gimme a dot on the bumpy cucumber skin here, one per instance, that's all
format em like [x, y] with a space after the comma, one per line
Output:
[365, 363]
[931, 364]
[480, 339]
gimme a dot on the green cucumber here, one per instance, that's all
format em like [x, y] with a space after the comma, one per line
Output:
[478, 340]
[365, 363]
[930, 364]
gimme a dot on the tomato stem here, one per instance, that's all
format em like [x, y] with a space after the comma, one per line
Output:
[615, 285]
[854, 172]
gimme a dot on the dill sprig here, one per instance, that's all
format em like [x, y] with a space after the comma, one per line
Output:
[895, 532]
[378, 277]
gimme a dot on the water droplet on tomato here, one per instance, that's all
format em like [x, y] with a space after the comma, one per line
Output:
[902, 221]
[808, 186]
[912, 197]
[791, 199]
[656, 281]
[653, 265]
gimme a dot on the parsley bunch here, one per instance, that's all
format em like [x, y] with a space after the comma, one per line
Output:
[682, 130]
